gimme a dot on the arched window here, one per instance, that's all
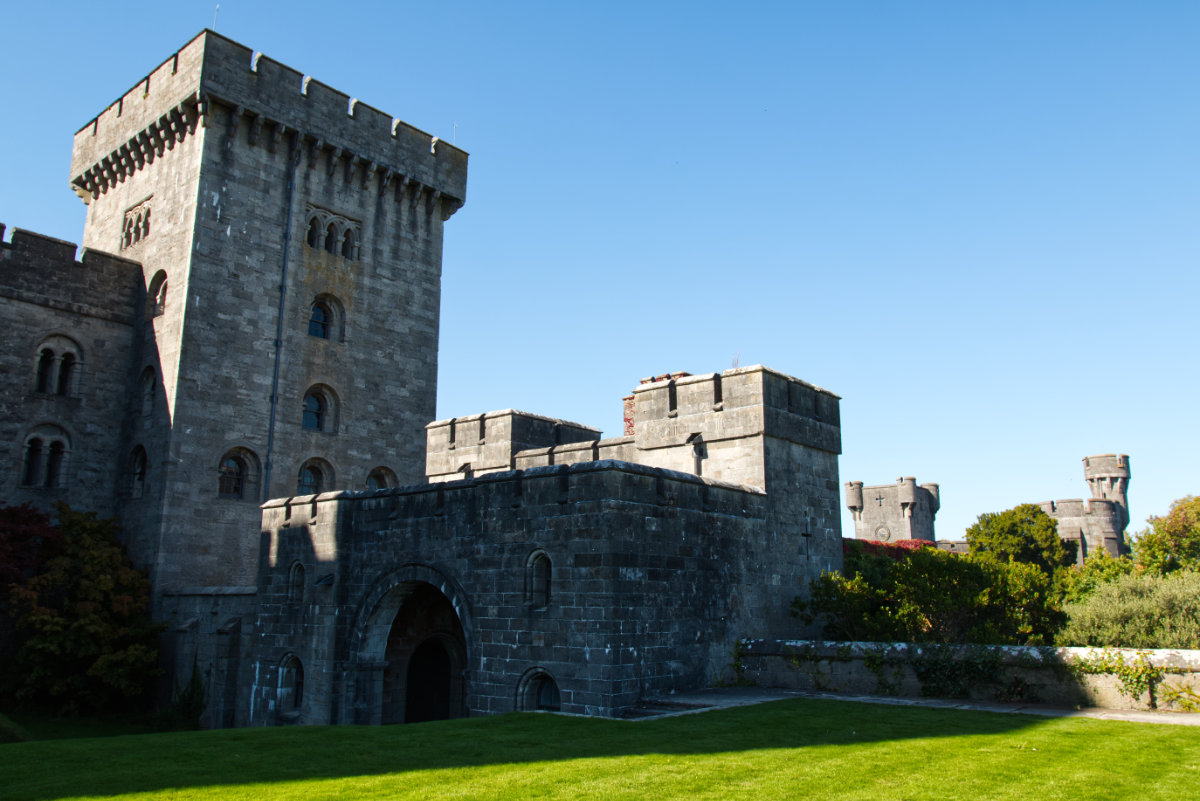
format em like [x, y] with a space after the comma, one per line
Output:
[314, 233]
[319, 321]
[58, 366]
[331, 238]
[146, 224]
[137, 229]
[348, 244]
[537, 579]
[66, 373]
[311, 480]
[291, 685]
[381, 478]
[137, 472]
[127, 236]
[45, 371]
[237, 475]
[156, 295]
[44, 457]
[54, 465]
[537, 691]
[296, 582]
[31, 474]
[233, 478]
[319, 409]
[314, 412]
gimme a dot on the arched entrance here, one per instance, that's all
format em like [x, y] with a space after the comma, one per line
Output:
[424, 677]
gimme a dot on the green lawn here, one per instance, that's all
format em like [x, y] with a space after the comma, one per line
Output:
[788, 749]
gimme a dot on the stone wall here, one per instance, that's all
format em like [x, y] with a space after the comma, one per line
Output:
[252, 195]
[646, 574]
[1033, 675]
[890, 512]
[83, 314]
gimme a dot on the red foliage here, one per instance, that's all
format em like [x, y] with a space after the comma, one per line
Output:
[27, 540]
[898, 550]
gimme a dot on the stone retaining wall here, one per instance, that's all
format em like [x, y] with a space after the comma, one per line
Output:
[1064, 676]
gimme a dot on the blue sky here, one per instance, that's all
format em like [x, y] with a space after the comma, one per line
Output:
[976, 222]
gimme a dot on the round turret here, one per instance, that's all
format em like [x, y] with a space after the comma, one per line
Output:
[854, 498]
[1108, 478]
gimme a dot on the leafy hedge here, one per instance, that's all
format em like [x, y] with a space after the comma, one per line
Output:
[1138, 610]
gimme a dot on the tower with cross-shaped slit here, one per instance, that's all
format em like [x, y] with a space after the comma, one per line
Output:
[889, 512]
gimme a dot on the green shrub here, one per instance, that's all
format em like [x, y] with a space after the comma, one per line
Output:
[925, 595]
[1138, 611]
[1172, 542]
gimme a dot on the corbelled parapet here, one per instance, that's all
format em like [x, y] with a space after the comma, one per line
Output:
[278, 107]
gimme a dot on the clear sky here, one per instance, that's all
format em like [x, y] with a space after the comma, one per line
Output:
[976, 222]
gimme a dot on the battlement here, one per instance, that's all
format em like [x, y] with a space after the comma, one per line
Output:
[888, 512]
[536, 486]
[745, 401]
[1108, 465]
[44, 271]
[476, 444]
[1081, 507]
[713, 425]
[176, 97]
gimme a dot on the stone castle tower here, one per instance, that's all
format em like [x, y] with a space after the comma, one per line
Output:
[1099, 522]
[289, 240]
[890, 512]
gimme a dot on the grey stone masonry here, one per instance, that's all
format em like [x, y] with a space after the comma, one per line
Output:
[890, 512]
[290, 239]
[580, 584]
[1099, 522]
[69, 346]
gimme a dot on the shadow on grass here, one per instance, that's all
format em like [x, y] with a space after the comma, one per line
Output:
[148, 763]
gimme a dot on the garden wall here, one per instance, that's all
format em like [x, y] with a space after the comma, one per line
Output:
[1110, 678]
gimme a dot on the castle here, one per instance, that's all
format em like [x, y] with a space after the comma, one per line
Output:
[1100, 522]
[905, 510]
[900, 511]
[242, 365]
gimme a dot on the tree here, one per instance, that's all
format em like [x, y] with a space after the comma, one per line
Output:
[926, 595]
[1172, 541]
[1024, 534]
[84, 637]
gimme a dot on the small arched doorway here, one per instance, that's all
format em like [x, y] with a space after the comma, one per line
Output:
[424, 677]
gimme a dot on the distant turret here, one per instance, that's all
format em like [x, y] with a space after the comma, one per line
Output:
[1108, 478]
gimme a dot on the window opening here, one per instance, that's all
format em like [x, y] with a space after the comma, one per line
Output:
[537, 580]
[66, 370]
[314, 233]
[33, 463]
[156, 296]
[318, 321]
[331, 239]
[54, 464]
[348, 244]
[232, 482]
[309, 481]
[381, 478]
[291, 685]
[45, 370]
[314, 412]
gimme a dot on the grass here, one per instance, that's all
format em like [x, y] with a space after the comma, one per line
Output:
[787, 749]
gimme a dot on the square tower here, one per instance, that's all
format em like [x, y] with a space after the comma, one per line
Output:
[290, 239]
